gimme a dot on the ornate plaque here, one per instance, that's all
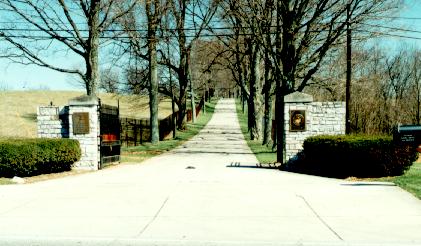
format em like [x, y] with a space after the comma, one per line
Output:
[80, 123]
[298, 120]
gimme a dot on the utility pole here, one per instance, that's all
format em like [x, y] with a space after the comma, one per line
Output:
[348, 70]
[280, 99]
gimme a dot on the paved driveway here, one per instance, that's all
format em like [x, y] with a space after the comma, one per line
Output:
[207, 192]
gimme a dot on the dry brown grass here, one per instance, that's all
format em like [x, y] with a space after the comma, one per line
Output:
[18, 109]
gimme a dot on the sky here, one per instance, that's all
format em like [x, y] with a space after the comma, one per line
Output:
[31, 77]
[407, 21]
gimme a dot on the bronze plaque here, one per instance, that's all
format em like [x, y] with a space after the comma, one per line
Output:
[298, 120]
[80, 123]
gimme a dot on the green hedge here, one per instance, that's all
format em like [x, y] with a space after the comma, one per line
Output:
[353, 156]
[29, 157]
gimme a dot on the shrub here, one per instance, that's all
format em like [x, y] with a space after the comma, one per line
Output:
[353, 156]
[29, 157]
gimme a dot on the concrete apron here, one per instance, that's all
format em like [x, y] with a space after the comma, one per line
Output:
[207, 192]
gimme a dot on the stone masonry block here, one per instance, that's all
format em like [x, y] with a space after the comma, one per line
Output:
[48, 110]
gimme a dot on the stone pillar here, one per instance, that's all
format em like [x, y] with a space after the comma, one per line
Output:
[84, 127]
[298, 113]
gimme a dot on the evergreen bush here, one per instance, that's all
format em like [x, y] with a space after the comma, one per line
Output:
[29, 157]
[353, 156]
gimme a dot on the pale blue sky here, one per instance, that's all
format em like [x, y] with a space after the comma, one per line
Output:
[20, 77]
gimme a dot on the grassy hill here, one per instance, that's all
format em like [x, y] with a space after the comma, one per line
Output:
[18, 109]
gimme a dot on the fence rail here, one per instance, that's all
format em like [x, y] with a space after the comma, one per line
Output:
[137, 131]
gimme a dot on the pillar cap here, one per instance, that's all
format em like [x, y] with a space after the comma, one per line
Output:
[298, 97]
[84, 100]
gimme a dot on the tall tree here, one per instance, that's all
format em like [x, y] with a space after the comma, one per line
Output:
[74, 26]
[255, 99]
[245, 44]
[153, 12]
[142, 49]
[186, 14]
[268, 21]
[416, 85]
[307, 30]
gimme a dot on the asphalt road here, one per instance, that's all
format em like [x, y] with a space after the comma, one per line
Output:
[207, 192]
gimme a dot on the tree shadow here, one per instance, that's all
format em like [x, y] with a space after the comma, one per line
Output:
[369, 184]
[202, 151]
[256, 166]
[30, 117]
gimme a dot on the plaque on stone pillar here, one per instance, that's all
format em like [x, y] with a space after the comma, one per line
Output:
[80, 123]
[297, 121]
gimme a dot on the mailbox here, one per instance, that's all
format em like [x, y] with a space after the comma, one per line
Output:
[408, 134]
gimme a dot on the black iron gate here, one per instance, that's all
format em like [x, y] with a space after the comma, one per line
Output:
[110, 147]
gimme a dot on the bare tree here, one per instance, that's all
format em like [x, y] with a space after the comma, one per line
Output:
[109, 81]
[190, 20]
[307, 30]
[416, 85]
[246, 46]
[175, 24]
[385, 87]
[141, 48]
[36, 27]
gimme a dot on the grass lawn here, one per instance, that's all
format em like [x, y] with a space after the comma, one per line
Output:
[145, 151]
[410, 181]
[264, 153]
[5, 181]
[19, 108]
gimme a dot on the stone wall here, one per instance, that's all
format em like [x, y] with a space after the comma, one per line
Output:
[321, 118]
[328, 118]
[53, 122]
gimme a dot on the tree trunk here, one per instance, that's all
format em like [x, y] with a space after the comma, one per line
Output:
[91, 57]
[152, 10]
[267, 128]
[280, 125]
[153, 90]
[192, 102]
[418, 107]
[173, 118]
[243, 100]
[203, 98]
[255, 95]
[285, 73]
[183, 80]
[181, 119]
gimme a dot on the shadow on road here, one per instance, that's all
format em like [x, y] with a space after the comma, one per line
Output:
[257, 165]
[200, 151]
[369, 184]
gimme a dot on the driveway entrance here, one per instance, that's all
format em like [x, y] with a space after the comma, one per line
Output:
[207, 192]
